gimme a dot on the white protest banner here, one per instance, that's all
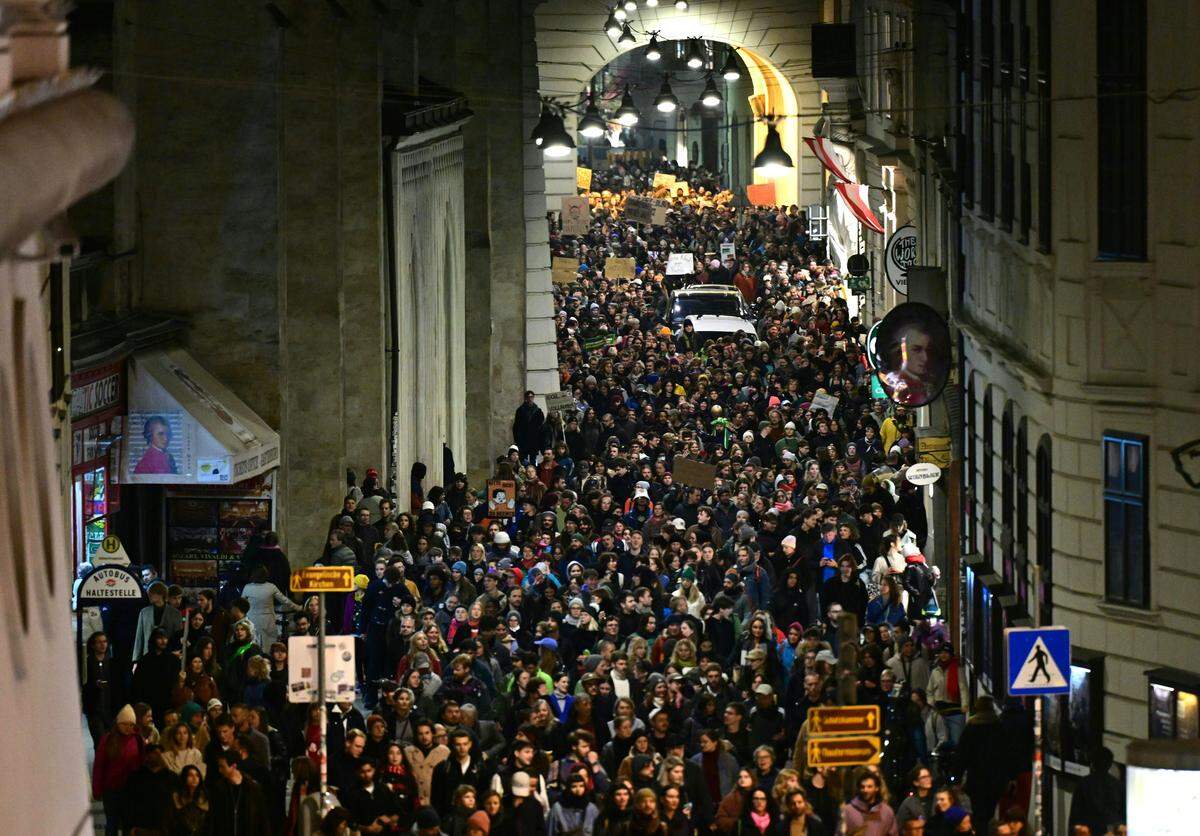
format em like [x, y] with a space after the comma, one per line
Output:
[680, 264]
[727, 250]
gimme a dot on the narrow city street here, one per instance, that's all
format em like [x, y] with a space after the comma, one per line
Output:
[623, 418]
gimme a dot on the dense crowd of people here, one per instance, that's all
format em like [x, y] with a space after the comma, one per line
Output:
[623, 652]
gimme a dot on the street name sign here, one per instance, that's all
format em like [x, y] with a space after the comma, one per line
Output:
[323, 579]
[843, 751]
[844, 719]
[1039, 660]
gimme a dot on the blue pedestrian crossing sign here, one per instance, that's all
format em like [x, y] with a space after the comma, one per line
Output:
[1039, 660]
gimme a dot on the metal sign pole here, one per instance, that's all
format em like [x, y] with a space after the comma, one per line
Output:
[324, 754]
[1036, 789]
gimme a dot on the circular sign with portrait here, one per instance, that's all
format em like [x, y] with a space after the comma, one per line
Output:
[913, 353]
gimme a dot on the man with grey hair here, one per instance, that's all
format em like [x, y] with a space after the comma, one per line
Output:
[487, 734]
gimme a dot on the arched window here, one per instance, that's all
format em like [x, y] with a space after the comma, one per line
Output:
[1007, 497]
[1021, 533]
[968, 468]
[988, 489]
[1044, 472]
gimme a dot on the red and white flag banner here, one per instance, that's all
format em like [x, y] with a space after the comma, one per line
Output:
[855, 196]
[823, 150]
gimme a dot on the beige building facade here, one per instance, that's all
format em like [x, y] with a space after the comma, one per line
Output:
[1049, 165]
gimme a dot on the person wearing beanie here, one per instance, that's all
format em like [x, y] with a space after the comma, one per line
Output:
[478, 824]
[690, 592]
[118, 755]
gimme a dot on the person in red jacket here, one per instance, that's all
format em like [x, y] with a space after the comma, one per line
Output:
[118, 755]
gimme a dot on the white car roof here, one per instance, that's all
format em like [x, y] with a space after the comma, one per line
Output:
[712, 324]
[708, 290]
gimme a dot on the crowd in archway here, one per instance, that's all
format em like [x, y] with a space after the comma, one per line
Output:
[635, 648]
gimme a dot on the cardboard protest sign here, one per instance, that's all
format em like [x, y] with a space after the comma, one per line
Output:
[639, 210]
[681, 187]
[620, 268]
[761, 194]
[694, 474]
[680, 264]
[560, 401]
[502, 498]
[663, 179]
[576, 215]
[583, 178]
[563, 270]
[826, 402]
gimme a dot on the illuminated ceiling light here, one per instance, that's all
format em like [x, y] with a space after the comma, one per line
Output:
[650, 4]
[711, 97]
[592, 125]
[631, 5]
[681, 5]
[556, 142]
[772, 160]
[627, 38]
[619, 13]
[543, 125]
[695, 58]
[627, 114]
[730, 71]
[653, 53]
[665, 101]
[612, 26]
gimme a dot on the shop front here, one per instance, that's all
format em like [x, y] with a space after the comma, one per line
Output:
[97, 427]
[203, 464]
[1174, 704]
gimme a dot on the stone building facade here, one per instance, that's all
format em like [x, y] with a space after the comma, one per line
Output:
[257, 208]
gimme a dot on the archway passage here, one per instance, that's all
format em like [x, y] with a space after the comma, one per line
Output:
[774, 46]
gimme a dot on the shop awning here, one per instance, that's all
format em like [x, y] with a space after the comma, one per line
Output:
[822, 149]
[184, 427]
[855, 197]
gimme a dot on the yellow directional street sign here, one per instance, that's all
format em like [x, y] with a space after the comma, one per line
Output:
[843, 719]
[323, 579]
[843, 751]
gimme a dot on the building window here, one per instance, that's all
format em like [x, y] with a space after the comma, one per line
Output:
[966, 94]
[1121, 128]
[1021, 534]
[989, 479]
[1005, 122]
[1008, 504]
[1126, 521]
[987, 132]
[1026, 187]
[1044, 141]
[969, 458]
[1044, 477]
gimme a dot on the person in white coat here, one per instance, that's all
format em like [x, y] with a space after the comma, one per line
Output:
[263, 596]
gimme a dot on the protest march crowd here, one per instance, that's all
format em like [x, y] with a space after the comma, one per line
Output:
[610, 649]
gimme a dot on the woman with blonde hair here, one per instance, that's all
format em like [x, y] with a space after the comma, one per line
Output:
[418, 642]
[179, 750]
[683, 656]
[786, 782]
